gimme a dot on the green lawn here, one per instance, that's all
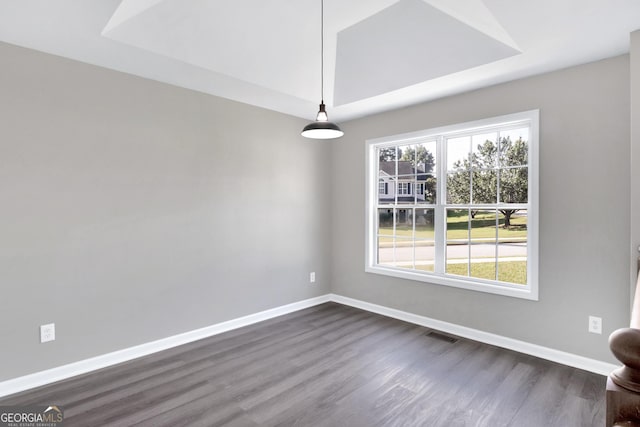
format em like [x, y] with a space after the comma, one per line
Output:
[482, 227]
[509, 271]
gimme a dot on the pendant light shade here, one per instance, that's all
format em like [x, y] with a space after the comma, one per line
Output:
[322, 128]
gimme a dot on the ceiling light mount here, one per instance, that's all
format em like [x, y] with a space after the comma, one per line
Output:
[322, 128]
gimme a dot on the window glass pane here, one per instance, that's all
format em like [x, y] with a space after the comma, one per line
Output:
[407, 160]
[512, 246]
[424, 223]
[404, 222]
[483, 226]
[425, 255]
[387, 157]
[386, 190]
[511, 268]
[483, 244]
[386, 251]
[426, 181]
[514, 147]
[385, 222]
[513, 272]
[484, 186]
[457, 259]
[406, 189]
[514, 185]
[404, 252]
[457, 224]
[512, 262]
[429, 186]
[387, 174]
[513, 225]
[426, 158]
[457, 241]
[425, 234]
[483, 266]
[407, 167]
[458, 187]
[391, 190]
[484, 152]
[458, 150]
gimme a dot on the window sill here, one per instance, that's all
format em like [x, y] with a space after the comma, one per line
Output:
[517, 291]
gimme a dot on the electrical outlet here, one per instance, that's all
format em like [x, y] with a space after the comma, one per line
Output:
[312, 277]
[595, 325]
[47, 332]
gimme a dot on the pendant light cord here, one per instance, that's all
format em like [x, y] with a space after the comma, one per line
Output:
[322, 51]
[322, 128]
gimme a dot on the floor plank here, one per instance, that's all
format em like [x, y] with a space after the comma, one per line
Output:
[329, 365]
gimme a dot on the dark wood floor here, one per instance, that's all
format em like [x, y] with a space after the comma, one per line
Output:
[330, 365]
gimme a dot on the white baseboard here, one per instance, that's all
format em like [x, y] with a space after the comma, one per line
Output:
[569, 359]
[38, 379]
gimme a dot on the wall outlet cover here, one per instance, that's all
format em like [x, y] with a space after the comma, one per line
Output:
[47, 332]
[595, 325]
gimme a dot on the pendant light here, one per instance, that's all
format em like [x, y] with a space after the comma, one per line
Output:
[322, 128]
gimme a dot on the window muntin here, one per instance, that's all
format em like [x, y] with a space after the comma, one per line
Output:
[476, 227]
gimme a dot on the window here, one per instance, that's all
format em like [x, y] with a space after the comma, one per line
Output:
[383, 188]
[465, 211]
[404, 188]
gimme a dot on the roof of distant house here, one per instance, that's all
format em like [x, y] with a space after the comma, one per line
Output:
[405, 167]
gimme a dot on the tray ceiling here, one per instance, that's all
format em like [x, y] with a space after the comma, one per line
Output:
[379, 54]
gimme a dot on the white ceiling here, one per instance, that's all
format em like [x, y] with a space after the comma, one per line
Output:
[379, 54]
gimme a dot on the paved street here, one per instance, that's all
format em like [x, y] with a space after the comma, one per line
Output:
[425, 254]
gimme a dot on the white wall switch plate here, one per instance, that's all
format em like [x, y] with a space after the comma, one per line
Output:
[312, 277]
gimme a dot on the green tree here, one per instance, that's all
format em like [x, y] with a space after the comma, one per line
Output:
[430, 185]
[389, 154]
[420, 156]
[514, 182]
[485, 165]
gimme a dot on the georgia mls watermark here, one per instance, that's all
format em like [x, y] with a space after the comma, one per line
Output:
[31, 416]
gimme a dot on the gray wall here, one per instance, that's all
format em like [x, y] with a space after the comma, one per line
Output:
[584, 210]
[133, 210]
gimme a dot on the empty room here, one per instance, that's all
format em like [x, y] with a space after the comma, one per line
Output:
[319, 213]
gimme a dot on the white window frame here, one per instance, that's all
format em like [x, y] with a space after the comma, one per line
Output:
[528, 291]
